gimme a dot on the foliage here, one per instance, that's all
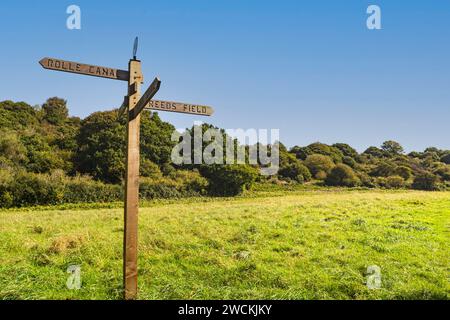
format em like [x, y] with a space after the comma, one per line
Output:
[392, 148]
[342, 175]
[318, 148]
[426, 181]
[55, 111]
[346, 150]
[40, 142]
[383, 169]
[404, 172]
[291, 168]
[375, 152]
[229, 180]
[351, 162]
[319, 165]
[446, 158]
[395, 182]
[101, 147]
[296, 172]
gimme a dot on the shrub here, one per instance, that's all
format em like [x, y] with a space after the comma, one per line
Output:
[149, 169]
[366, 180]
[318, 148]
[55, 111]
[375, 152]
[349, 161]
[296, 172]
[443, 172]
[159, 189]
[342, 175]
[190, 182]
[446, 158]
[177, 185]
[318, 163]
[404, 172]
[229, 180]
[83, 189]
[30, 189]
[384, 169]
[395, 182]
[346, 150]
[426, 181]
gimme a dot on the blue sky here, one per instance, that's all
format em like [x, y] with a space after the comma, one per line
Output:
[310, 68]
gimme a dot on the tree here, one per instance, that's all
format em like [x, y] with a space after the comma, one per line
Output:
[156, 143]
[229, 180]
[446, 158]
[12, 148]
[395, 182]
[346, 150]
[318, 148]
[351, 162]
[296, 172]
[55, 111]
[319, 165]
[291, 167]
[383, 169]
[392, 148]
[342, 175]
[375, 152]
[426, 181]
[101, 147]
[404, 172]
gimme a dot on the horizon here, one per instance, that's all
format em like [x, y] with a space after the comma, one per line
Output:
[312, 70]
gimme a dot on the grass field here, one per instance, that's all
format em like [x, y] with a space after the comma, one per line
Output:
[269, 245]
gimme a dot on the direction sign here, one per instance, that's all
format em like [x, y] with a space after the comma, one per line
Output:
[180, 107]
[145, 99]
[85, 69]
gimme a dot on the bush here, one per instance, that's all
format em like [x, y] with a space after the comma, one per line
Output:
[229, 180]
[179, 184]
[159, 189]
[366, 180]
[404, 172]
[349, 161]
[29, 189]
[82, 189]
[384, 169]
[319, 164]
[318, 148]
[342, 175]
[296, 172]
[426, 181]
[149, 169]
[446, 158]
[346, 150]
[190, 182]
[395, 182]
[443, 172]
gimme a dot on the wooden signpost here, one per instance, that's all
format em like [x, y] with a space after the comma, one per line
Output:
[86, 69]
[135, 104]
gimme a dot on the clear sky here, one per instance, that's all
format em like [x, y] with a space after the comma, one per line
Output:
[309, 68]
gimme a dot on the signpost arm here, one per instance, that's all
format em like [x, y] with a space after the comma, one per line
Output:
[132, 186]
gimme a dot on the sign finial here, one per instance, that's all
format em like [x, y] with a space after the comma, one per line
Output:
[135, 47]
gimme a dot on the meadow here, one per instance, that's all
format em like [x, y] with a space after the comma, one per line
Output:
[297, 244]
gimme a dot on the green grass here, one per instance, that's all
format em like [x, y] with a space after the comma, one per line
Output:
[298, 244]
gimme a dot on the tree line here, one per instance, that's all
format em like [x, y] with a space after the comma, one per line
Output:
[48, 157]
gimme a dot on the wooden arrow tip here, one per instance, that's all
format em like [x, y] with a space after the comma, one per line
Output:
[42, 61]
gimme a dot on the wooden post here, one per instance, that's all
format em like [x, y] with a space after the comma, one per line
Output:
[132, 185]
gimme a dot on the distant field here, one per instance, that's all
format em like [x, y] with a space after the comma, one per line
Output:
[272, 245]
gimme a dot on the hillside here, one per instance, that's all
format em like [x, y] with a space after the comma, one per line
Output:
[47, 157]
